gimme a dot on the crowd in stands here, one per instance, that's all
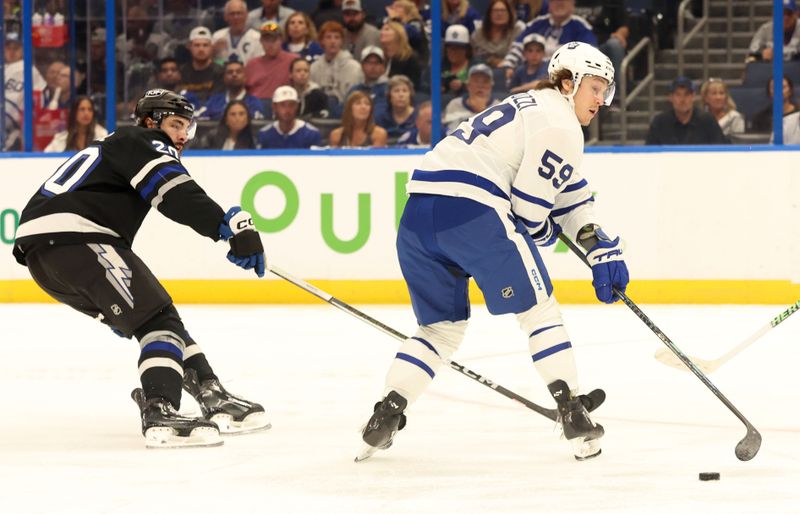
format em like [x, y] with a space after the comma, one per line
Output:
[264, 75]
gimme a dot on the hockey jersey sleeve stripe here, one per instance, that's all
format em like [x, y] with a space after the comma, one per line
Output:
[565, 210]
[460, 176]
[147, 168]
[160, 176]
[574, 187]
[529, 198]
[61, 222]
[182, 179]
[528, 223]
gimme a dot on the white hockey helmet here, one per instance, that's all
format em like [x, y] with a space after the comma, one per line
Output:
[583, 59]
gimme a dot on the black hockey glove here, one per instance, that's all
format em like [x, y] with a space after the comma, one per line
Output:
[246, 249]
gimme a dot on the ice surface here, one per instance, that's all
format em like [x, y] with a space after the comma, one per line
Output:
[70, 437]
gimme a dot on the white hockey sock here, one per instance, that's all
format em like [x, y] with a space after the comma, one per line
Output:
[552, 355]
[421, 356]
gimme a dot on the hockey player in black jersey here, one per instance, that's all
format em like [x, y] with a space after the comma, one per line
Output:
[75, 237]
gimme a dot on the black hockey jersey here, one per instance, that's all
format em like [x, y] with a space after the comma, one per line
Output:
[103, 193]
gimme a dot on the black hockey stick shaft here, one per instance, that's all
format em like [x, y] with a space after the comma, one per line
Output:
[748, 447]
[551, 414]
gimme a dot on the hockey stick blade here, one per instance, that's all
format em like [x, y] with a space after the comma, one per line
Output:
[551, 414]
[748, 447]
[664, 356]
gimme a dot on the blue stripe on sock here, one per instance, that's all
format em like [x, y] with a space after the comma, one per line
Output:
[537, 332]
[161, 345]
[426, 343]
[550, 351]
[413, 360]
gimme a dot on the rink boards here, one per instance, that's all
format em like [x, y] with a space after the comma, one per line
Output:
[700, 227]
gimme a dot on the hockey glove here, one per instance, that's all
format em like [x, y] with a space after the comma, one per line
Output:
[246, 249]
[609, 271]
[548, 234]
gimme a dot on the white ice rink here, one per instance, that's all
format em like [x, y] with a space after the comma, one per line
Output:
[70, 439]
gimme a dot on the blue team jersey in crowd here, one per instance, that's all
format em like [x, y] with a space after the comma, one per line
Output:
[303, 135]
[575, 29]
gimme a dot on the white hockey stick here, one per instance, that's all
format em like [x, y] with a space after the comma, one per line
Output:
[664, 356]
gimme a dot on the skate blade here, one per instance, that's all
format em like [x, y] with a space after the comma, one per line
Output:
[585, 449]
[255, 422]
[366, 452]
[167, 438]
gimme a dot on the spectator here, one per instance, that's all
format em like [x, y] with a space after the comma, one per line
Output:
[51, 93]
[168, 76]
[719, 104]
[264, 74]
[313, 100]
[176, 25]
[457, 54]
[534, 68]
[237, 41]
[399, 116]
[492, 41]
[359, 34]
[373, 64]
[406, 13]
[336, 71]
[14, 92]
[791, 129]
[459, 12]
[234, 131]
[97, 65]
[561, 26]
[328, 10]
[270, 10]
[234, 90]
[400, 57]
[420, 135]
[761, 47]
[202, 76]
[684, 123]
[301, 37]
[479, 97]
[287, 131]
[527, 10]
[138, 43]
[762, 121]
[358, 128]
[82, 128]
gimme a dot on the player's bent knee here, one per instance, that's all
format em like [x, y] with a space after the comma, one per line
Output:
[540, 315]
[444, 336]
[165, 320]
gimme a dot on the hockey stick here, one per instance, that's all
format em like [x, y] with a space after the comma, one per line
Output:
[551, 414]
[709, 366]
[748, 447]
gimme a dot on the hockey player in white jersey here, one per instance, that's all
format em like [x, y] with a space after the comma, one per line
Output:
[504, 182]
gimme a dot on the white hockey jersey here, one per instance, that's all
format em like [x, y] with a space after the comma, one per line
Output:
[521, 155]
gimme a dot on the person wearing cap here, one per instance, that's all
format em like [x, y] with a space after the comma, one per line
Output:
[202, 76]
[358, 33]
[237, 41]
[336, 71]
[14, 89]
[313, 100]
[534, 69]
[457, 55]
[266, 73]
[479, 97]
[684, 123]
[270, 10]
[373, 64]
[492, 40]
[287, 132]
[234, 90]
[761, 46]
[301, 37]
[401, 59]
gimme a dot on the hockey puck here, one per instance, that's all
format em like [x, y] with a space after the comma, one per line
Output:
[708, 476]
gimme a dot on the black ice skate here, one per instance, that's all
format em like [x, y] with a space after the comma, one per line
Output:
[387, 419]
[163, 427]
[232, 414]
[577, 426]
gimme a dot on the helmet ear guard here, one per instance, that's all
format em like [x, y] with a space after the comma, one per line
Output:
[582, 59]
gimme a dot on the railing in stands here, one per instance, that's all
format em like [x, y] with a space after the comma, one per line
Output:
[683, 39]
[647, 82]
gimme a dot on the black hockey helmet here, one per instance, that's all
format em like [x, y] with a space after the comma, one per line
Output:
[160, 103]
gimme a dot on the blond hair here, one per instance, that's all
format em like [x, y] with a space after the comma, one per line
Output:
[311, 34]
[404, 50]
[730, 105]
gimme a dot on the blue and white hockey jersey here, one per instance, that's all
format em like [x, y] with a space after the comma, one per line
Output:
[302, 135]
[521, 157]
